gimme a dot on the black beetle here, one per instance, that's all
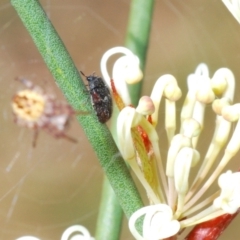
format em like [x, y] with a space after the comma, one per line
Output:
[100, 97]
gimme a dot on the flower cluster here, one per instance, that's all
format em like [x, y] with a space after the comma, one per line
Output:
[174, 201]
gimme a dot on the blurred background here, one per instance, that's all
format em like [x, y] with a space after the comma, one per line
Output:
[46, 189]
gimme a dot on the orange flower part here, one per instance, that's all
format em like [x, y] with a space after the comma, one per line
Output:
[117, 98]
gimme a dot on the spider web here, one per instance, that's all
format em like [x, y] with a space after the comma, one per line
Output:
[46, 189]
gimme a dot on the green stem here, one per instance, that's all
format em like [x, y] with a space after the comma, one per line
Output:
[138, 33]
[137, 40]
[110, 215]
[69, 81]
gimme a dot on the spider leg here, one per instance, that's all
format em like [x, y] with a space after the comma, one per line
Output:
[69, 138]
[35, 136]
[25, 82]
[82, 113]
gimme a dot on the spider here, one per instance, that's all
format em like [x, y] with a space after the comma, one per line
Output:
[34, 109]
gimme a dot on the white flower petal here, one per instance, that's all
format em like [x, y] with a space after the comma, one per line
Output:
[234, 7]
[186, 158]
[158, 222]
[125, 70]
[76, 232]
[229, 199]
[168, 82]
[124, 125]
[145, 106]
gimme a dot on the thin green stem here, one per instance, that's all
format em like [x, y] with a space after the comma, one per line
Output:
[69, 81]
[110, 215]
[137, 39]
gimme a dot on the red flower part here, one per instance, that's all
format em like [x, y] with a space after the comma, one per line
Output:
[145, 139]
[212, 229]
[149, 118]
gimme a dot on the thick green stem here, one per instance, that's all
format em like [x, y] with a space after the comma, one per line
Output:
[110, 215]
[69, 81]
[137, 39]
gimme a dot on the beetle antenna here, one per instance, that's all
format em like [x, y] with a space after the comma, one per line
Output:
[83, 74]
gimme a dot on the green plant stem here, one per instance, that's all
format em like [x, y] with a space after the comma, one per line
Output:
[137, 38]
[69, 81]
[110, 214]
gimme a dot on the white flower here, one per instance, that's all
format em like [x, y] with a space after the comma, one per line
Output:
[229, 199]
[173, 198]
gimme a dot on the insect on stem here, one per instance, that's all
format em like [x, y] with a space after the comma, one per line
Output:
[100, 97]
